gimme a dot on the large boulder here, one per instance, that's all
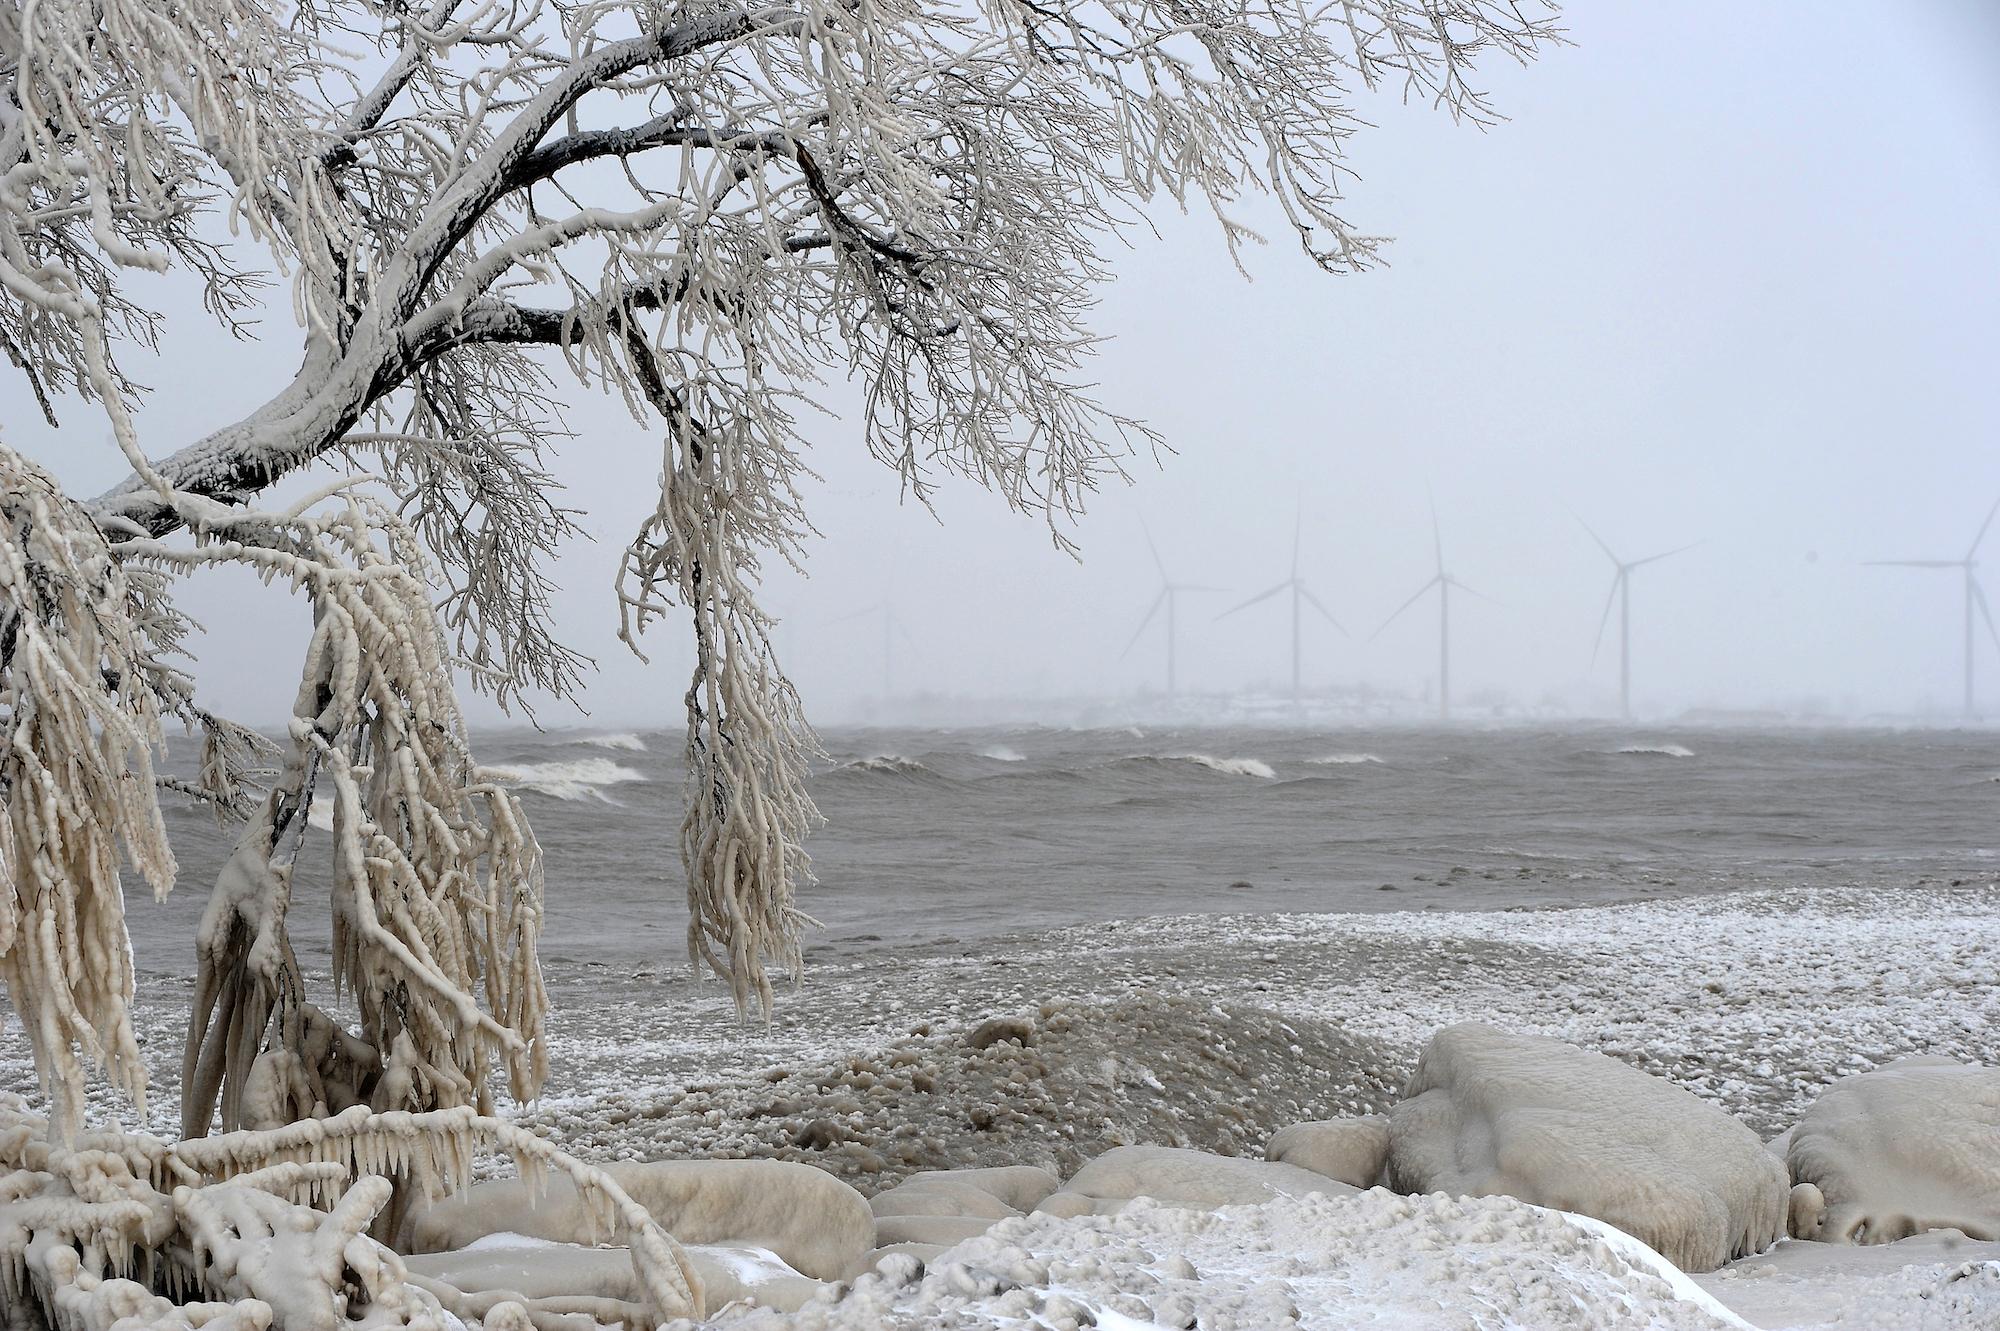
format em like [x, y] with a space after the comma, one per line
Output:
[1181, 1177]
[1908, 1148]
[1492, 1113]
[1353, 1150]
[815, 1223]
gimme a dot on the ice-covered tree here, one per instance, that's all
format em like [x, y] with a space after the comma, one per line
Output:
[475, 207]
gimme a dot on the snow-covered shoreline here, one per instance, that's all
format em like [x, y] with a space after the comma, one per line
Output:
[1212, 1031]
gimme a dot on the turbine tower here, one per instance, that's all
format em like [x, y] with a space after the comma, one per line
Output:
[1444, 582]
[1299, 593]
[1621, 591]
[1973, 593]
[1169, 591]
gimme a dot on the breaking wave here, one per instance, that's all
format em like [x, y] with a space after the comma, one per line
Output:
[1341, 759]
[1664, 750]
[622, 740]
[1226, 766]
[581, 779]
[1000, 753]
[889, 764]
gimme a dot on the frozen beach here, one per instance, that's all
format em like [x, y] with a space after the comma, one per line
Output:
[1753, 977]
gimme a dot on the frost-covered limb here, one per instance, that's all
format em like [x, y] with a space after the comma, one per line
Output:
[437, 881]
[76, 778]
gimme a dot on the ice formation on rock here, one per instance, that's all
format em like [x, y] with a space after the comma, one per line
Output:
[1353, 1150]
[1907, 1148]
[1488, 1112]
[809, 1218]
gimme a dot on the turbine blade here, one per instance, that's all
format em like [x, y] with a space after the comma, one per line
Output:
[1405, 606]
[1158, 601]
[1597, 643]
[1260, 596]
[1323, 610]
[1979, 595]
[1594, 536]
[1154, 548]
[1653, 559]
[871, 610]
[1913, 563]
[1982, 529]
[1469, 592]
[1298, 522]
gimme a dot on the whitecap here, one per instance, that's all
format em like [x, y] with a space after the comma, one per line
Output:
[1227, 766]
[624, 739]
[576, 780]
[1665, 750]
[1000, 753]
[1339, 759]
[892, 763]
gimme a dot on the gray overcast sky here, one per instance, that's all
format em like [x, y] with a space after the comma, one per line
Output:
[1728, 273]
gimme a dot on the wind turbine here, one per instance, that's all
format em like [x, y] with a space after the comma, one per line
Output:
[1973, 593]
[1444, 582]
[1169, 590]
[1621, 591]
[1299, 592]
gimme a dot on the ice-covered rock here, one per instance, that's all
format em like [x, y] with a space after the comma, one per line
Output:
[1910, 1147]
[1489, 1112]
[939, 1230]
[1179, 1177]
[810, 1219]
[1017, 1187]
[918, 1197]
[1352, 1150]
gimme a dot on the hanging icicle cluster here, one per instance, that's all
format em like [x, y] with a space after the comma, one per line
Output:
[437, 880]
[75, 779]
[743, 835]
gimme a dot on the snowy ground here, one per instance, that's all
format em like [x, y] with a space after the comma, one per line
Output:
[1213, 1031]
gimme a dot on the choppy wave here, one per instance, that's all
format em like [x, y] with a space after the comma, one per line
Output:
[621, 740]
[1000, 753]
[583, 778]
[1341, 759]
[1227, 766]
[1662, 750]
[890, 764]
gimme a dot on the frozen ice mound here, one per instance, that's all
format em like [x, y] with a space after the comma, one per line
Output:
[1492, 1113]
[1902, 1150]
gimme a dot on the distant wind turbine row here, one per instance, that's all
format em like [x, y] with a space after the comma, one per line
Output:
[1620, 593]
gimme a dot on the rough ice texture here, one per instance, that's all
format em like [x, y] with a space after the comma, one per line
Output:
[1320, 1263]
[813, 1221]
[1353, 1150]
[1907, 1148]
[1488, 1112]
[1192, 1178]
